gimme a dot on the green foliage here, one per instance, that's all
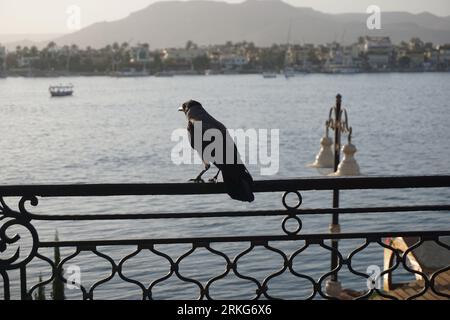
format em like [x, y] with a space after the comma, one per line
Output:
[40, 294]
[116, 57]
[58, 284]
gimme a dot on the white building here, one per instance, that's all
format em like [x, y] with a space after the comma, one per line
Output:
[183, 54]
[233, 61]
[341, 59]
[378, 51]
[356, 51]
[377, 44]
[298, 56]
[378, 61]
[141, 54]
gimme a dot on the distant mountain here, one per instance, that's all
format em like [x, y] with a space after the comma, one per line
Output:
[172, 23]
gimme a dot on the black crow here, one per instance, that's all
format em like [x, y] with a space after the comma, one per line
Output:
[237, 179]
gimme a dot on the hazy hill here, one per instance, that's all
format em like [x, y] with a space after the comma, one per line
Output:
[11, 41]
[171, 24]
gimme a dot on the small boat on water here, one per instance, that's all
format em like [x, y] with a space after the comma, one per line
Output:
[269, 75]
[61, 90]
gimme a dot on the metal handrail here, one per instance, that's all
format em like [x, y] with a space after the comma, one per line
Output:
[300, 184]
[31, 194]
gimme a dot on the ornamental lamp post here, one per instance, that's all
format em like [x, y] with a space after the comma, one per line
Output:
[329, 157]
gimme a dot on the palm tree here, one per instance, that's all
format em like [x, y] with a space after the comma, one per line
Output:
[34, 51]
[124, 46]
[189, 45]
[416, 44]
[26, 51]
[51, 45]
[40, 294]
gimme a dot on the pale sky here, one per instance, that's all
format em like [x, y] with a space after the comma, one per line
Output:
[49, 16]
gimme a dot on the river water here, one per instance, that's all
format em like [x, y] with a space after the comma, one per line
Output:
[118, 130]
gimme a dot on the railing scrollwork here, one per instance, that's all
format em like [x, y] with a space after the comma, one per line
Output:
[10, 220]
[20, 243]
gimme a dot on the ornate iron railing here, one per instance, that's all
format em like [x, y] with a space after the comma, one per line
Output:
[11, 243]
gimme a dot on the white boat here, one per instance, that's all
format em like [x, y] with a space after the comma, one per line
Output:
[61, 90]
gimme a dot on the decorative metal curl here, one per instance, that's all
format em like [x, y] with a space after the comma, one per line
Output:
[299, 225]
[25, 214]
[299, 203]
[292, 213]
[342, 125]
[22, 219]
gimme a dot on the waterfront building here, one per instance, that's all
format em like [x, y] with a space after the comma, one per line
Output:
[182, 55]
[233, 61]
[431, 59]
[378, 51]
[415, 58]
[141, 54]
[298, 56]
[341, 59]
[444, 56]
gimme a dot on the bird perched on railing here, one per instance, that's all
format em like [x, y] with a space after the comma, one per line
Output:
[238, 181]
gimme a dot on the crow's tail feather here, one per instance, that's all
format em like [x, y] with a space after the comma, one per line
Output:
[238, 182]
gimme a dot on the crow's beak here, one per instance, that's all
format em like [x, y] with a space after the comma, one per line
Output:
[180, 109]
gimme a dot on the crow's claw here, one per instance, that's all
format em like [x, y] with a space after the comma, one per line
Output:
[197, 180]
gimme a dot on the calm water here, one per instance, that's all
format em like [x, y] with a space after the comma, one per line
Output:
[119, 130]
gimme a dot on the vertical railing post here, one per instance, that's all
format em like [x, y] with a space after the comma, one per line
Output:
[337, 156]
[333, 286]
[6, 289]
[23, 283]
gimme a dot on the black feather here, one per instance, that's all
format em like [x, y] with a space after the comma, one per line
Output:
[238, 181]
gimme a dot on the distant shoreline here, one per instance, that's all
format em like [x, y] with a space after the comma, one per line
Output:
[281, 75]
